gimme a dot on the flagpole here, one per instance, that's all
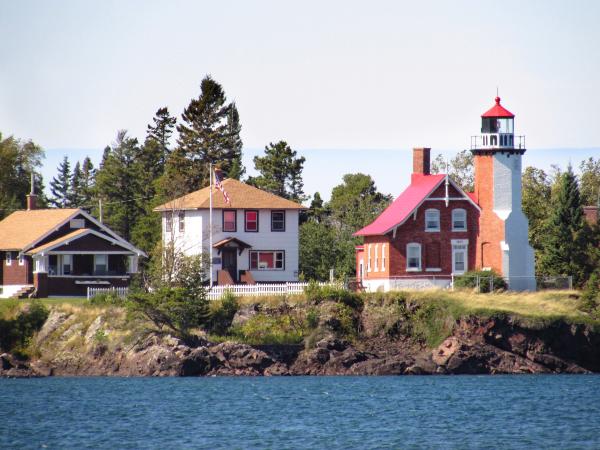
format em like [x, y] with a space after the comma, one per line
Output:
[210, 230]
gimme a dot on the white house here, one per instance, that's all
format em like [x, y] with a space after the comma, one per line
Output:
[255, 236]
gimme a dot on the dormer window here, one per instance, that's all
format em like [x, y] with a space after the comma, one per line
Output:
[432, 220]
[459, 220]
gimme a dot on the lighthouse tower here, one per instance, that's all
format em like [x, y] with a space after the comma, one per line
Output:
[503, 242]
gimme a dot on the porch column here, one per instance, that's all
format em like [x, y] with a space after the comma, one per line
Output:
[133, 263]
[40, 275]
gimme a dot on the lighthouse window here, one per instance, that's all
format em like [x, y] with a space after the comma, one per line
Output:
[432, 220]
[459, 220]
[493, 140]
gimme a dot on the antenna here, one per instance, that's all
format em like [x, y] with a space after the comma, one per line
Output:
[497, 95]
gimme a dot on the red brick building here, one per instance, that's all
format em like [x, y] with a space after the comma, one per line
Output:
[60, 252]
[435, 230]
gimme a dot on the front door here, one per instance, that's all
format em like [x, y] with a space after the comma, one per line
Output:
[230, 262]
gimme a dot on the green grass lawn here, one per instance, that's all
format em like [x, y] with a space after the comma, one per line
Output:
[62, 301]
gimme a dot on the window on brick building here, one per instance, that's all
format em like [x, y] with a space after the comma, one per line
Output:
[376, 257]
[432, 220]
[383, 257]
[413, 257]
[8, 258]
[459, 219]
[368, 257]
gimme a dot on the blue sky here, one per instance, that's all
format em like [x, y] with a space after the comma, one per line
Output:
[351, 85]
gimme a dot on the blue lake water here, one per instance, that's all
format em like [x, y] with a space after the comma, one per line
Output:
[307, 412]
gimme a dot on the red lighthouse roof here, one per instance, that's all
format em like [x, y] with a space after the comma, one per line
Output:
[498, 111]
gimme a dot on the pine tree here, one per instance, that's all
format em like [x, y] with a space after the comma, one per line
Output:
[75, 197]
[280, 172]
[60, 186]
[564, 248]
[88, 177]
[117, 185]
[210, 133]
[160, 133]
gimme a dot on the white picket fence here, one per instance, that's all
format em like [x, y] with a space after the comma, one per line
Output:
[239, 290]
[257, 290]
[119, 291]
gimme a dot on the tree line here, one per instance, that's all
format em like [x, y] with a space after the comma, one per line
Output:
[134, 176]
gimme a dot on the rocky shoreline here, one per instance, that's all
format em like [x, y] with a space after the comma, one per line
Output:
[476, 346]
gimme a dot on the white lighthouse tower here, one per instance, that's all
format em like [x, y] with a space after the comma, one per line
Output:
[503, 241]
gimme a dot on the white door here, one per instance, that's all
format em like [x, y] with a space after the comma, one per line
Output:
[459, 260]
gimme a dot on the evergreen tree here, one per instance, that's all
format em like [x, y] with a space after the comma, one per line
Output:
[209, 134]
[564, 247]
[280, 172]
[61, 187]
[87, 182]
[117, 185]
[160, 133]
[76, 198]
[317, 210]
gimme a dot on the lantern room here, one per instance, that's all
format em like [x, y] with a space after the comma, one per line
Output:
[497, 130]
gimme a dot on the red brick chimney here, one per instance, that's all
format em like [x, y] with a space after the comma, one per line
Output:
[32, 197]
[421, 160]
[31, 201]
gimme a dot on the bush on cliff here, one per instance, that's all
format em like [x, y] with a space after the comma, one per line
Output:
[316, 293]
[590, 298]
[222, 314]
[16, 332]
[268, 329]
[176, 301]
[481, 278]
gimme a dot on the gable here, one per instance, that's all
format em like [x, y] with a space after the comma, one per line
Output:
[82, 241]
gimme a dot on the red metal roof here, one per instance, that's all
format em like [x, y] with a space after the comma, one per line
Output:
[498, 111]
[472, 196]
[401, 208]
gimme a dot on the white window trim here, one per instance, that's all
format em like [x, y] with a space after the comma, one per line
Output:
[462, 243]
[376, 257]
[8, 258]
[414, 245]
[21, 259]
[181, 222]
[368, 257]
[454, 211]
[273, 269]
[433, 230]
[62, 264]
[383, 257]
[96, 261]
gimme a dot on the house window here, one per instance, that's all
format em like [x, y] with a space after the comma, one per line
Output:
[251, 220]
[21, 259]
[267, 260]
[376, 257]
[432, 220]
[169, 222]
[100, 264]
[230, 220]
[459, 220]
[277, 220]
[67, 264]
[383, 257]
[8, 258]
[368, 257]
[413, 257]
[181, 222]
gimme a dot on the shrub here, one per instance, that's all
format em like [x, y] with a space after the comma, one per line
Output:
[106, 298]
[265, 329]
[591, 294]
[312, 318]
[470, 280]
[316, 293]
[222, 314]
[15, 333]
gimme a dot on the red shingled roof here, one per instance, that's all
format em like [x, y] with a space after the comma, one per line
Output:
[498, 111]
[401, 208]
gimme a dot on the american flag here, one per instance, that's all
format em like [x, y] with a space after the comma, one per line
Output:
[219, 185]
